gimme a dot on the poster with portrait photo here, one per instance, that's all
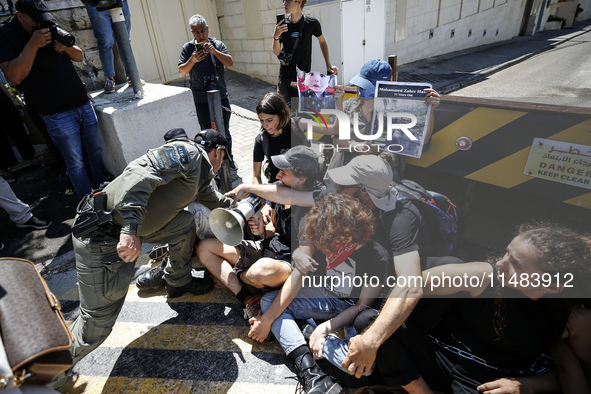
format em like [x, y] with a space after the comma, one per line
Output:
[316, 91]
[399, 98]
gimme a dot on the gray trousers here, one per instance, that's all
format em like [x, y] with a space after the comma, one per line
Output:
[103, 278]
[19, 211]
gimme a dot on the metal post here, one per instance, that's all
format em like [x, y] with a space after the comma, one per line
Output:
[392, 59]
[214, 101]
[123, 38]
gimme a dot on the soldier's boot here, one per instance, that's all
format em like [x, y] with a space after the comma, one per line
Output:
[196, 286]
[312, 378]
[152, 278]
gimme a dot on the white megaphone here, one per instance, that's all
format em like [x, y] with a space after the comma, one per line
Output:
[227, 224]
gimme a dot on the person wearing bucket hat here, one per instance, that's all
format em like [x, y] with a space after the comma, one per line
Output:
[362, 107]
[31, 58]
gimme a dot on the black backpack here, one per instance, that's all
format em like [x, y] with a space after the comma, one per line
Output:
[438, 210]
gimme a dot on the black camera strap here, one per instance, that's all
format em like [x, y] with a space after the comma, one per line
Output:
[297, 41]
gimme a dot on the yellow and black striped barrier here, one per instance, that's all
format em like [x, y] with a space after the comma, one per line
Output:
[500, 135]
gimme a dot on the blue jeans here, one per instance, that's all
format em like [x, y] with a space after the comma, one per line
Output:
[205, 121]
[75, 133]
[311, 302]
[103, 32]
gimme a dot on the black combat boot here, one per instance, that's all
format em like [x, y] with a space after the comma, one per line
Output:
[312, 378]
[152, 278]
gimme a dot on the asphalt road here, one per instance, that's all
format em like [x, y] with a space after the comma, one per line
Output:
[559, 76]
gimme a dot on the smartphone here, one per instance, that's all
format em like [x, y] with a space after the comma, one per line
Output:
[198, 46]
[280, 18]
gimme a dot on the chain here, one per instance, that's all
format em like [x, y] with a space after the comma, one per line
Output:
[239, 115]
[469, 356]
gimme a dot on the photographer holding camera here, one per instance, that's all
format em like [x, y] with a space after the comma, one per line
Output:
[34, 54]
[204, 58]
[297, 46]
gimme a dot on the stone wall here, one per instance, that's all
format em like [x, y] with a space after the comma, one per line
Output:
[252, 56]
[468, 19]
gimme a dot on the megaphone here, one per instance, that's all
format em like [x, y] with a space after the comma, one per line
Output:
[227, 224]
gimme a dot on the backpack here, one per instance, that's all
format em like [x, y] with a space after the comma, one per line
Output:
[438, 210]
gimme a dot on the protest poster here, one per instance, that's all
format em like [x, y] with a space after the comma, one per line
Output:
[398, 104]
[316, 91]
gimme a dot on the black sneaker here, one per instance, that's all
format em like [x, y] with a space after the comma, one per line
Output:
[196, 286]
[152, 278]
[35, 223]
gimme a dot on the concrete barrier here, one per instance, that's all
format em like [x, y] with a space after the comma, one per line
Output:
[128, 128]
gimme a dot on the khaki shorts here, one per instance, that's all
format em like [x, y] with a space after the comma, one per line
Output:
[250, 252]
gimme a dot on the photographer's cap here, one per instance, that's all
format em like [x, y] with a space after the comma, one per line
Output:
[371, 72]
[36, 9]
[371, 172]
[300, 157]
[211, 138]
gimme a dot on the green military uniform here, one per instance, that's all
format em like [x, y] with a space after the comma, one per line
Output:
[148, 200]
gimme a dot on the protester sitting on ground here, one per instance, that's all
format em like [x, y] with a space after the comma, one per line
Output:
[264, 264]
[341, 228]
[276, 136]
[400, 227]
[571, 355]
[498, 333]
[363, 106]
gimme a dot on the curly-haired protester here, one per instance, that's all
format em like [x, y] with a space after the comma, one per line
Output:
[517, 314]
[341, 228]
[275, 138]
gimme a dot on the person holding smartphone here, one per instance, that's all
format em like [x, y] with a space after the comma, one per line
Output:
[295, 48]
[204, 58]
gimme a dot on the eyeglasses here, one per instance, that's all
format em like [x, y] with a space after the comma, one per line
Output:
[199, 31]
[289, 1]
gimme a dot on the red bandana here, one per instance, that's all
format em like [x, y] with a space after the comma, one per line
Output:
[340, 254]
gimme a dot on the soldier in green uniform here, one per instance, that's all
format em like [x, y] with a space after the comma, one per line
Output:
[147, 204]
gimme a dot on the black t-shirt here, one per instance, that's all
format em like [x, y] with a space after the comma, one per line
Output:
[404, 230]
[280, 243]
[277, 146]
[400, 230]
[302, 57]
[370, 260]
[52, 84]
[531, 328]
[208, 69]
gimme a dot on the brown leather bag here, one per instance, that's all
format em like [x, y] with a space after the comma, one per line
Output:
[35, 335]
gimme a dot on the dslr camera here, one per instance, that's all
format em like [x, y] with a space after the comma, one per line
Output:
[58, 34]
[211, 82]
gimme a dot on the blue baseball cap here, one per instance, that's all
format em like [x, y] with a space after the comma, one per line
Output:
[371, 72]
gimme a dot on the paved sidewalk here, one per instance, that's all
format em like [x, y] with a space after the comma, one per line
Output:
[454, 70]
